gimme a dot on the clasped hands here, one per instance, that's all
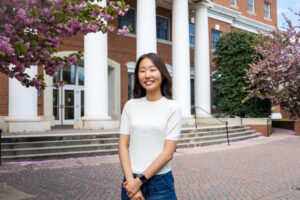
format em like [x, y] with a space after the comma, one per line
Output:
[132, 187]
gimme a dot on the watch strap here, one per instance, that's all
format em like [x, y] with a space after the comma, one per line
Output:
[143, 178]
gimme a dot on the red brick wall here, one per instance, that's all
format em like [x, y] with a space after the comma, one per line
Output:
[297, 128]
[263, 129]
[3, 95]
[242, 6]
[41, 98]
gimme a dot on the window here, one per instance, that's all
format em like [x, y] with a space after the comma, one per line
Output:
[192, 91]
[130, 85]
[233, 2]
[162, 27]
[267, 10]
[251, 6]
[215, 35]
[128, 19]
[214, 97]
[192, 34]
[71, 74]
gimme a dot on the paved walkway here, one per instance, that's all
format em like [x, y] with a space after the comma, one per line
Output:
[261, 168]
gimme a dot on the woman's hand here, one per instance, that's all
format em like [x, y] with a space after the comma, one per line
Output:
[138, 196]
[132, 186]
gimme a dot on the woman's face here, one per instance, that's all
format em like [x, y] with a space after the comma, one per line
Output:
[149, 75]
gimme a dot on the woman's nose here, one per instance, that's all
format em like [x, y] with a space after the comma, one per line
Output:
[147, 74]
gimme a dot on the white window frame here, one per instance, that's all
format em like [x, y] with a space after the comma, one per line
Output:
[235, 3]
[130, 69]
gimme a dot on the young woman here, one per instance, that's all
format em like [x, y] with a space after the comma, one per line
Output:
[150, 127]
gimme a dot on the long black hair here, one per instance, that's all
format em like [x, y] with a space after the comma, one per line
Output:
[166, 84]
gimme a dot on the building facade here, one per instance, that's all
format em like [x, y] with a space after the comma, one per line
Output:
[183, 32]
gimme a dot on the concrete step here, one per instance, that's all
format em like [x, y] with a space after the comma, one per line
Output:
[60, 136]
[215, 128]
[73, 140]
[41, 150]
[218, 141]
[66, 145]
[16, 145]
[213, 132]
[59, 155]
[214, 137]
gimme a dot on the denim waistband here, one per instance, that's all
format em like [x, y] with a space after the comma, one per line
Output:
[157, 175]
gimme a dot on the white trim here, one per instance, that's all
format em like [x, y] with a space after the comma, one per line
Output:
[130, 66]
[235, 19]
[276, 116]
[61, 54]
[115, 66]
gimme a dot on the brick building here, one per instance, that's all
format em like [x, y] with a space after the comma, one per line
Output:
[183, 32]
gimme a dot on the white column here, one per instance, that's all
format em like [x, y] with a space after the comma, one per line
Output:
[48, 99]
[145, 27]
[95, 80]
[202, 65]
[22, 114]
[181, 56]
[22, 100]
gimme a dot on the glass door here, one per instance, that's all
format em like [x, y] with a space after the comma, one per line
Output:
[68, 109]
[68, 101]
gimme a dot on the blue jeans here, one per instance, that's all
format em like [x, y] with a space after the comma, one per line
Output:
[158, 187]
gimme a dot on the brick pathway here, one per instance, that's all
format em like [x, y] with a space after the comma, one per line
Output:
[267, 169]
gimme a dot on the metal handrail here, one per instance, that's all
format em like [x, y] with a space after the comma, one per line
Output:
[226, 123]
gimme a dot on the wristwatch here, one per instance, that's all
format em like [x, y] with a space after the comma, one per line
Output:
[143, 178]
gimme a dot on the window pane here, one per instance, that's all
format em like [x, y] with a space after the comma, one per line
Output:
[69, 104]
[162, 27]
[82, 103]
[128, 19]
[69, 74]
[130, 85]
[192, 92]
[55, 104]
[267, 10]
[215, 35]
[56, 76]
[250, 5]
[192, 34]
[214, 96]
[233, 2]
[80, 71]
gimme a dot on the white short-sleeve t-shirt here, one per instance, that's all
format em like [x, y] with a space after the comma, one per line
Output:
[149, 124]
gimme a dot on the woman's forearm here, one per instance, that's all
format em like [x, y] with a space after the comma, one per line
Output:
[125, 162]
[161, 160]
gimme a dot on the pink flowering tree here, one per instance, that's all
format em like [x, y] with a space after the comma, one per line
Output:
[275, 74]
[31, 31]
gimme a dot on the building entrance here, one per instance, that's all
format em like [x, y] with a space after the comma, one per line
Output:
[68, 101]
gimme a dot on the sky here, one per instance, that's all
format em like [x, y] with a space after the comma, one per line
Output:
[283, 7]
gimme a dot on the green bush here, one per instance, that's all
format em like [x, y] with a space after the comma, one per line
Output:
[233, 56]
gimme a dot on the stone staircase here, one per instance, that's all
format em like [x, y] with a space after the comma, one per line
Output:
[70, 145]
